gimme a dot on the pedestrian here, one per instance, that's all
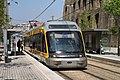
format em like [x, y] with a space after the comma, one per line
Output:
[19, 45]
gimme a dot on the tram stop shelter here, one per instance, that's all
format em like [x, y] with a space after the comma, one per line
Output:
[95, 39]
[12, 34]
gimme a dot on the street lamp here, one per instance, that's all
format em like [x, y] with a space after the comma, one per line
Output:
[100, 46]
[5, 33]
[12, 1]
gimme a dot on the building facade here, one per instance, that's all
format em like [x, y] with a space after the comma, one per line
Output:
[92, 19]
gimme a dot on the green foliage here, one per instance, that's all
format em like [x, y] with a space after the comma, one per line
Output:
[1, 12]
[85, 24]
[114, 30]
[1, 35]
[2, 20]
[112, 6]
[3, 15]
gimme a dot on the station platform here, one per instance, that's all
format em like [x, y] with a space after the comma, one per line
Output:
[105, 57]
[24, 67]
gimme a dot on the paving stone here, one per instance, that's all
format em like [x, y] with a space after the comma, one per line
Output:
[20, 68]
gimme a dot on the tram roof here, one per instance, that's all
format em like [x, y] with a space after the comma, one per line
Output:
[55, 22]
[60, 22]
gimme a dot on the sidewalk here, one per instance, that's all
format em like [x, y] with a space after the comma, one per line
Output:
[106, 57]
[24, 67]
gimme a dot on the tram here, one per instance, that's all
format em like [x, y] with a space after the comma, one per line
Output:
[59, 44]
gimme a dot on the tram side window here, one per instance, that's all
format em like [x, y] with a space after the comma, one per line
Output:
[30, 42]
[26, 41]
[35, 41]
[43, 43]
[39, 42]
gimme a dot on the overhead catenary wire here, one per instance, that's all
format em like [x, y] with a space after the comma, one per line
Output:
[39, 14]
[44, 9]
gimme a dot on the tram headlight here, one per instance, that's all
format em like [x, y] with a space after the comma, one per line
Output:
[80, 56]
[54, 56]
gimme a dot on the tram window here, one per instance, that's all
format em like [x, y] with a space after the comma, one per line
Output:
[33, 45]
[43, 44]
[36, 42]
[62, 27]
[65, 41]
[39, 42]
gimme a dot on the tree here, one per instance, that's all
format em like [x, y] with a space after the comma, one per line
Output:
[113, 7]
[4, 19]
[2, 13]
[1, 17]
[85, 21]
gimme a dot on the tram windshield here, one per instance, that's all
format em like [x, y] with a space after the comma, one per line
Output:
[68, 41]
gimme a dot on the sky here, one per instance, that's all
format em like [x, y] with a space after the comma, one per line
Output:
[27, 10]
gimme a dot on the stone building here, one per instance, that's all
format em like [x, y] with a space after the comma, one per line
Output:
[92, 19]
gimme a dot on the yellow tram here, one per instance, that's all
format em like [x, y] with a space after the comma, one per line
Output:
[59, 44]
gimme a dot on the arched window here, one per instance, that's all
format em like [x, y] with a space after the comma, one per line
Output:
[79, 2]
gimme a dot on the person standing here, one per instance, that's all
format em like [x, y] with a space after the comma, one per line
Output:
[19, 45]
[22, 46]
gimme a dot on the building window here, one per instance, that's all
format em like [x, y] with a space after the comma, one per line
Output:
[97, 19]
[79, 2]
[77, 20]
[100, 1]
[74, 6]
[88, 17]
[66, 9]
[84, 3]
[92, 2]
[89, 4]
[81, 21]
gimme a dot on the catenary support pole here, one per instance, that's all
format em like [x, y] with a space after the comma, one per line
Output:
[5, 45]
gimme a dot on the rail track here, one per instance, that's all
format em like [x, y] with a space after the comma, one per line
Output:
[96, 70]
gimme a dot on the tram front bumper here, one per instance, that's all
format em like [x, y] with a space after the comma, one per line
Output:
[68, 62]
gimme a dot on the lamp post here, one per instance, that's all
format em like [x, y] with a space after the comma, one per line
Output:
[6, 3]
[117, 18]
[118, 40]
[5, 33]
[100, 46]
